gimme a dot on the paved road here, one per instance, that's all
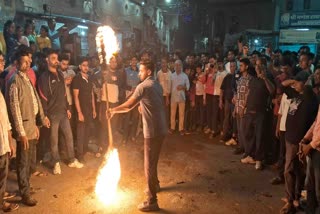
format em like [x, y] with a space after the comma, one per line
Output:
[196, 175]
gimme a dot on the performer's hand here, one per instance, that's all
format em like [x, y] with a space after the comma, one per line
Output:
[69, 114]
[109, 114]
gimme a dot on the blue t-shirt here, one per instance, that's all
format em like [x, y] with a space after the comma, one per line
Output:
[149, 93]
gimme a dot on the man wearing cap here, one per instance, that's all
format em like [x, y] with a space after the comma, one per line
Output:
[301, 114]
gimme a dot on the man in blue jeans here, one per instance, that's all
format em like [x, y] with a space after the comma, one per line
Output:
[53, 96]
[149, 93]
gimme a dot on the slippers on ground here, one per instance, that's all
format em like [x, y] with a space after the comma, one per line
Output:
[8, 195]
[39, 174]
[9, 207]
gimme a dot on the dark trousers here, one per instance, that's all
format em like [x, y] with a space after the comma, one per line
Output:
[167, 110]
[313, 183]
[24, 160]
[152, 148]
[62, 123]
[217, 114]
[190, 117]
[227, 120]
[4, 164]
[209, 110]
[199, 110]
[83, 130]
[282, 154]
[293, 173]
[239, 132]
[252, 130]
[130, 125]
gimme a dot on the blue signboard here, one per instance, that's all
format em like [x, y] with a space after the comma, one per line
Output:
[307, 19]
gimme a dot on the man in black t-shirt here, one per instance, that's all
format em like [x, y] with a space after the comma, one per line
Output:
[252, 125]
[85, 106]
[149, 93]
[301, 114]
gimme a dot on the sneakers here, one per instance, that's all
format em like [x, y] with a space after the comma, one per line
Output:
[231, 142]
[258, 165]
[248, 160]
[75, 164]
[57, 169]
[148, 207]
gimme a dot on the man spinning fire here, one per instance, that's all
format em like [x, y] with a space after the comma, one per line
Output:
[149, 94]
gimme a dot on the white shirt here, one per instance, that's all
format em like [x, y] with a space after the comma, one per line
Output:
[179, 79]
[283, 110]
[227, 66]
[113, 93]
[218, 81]
[24, 41]
[164, 79]
[4, 127]
[200, 85]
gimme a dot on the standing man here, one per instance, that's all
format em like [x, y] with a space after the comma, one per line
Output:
[54, 34]
[217, 113]
[6, 148]
[85, 106]
[26, 114]
[179, 85]
[164, 78]
[52, 91]
[130, 124]
[149, 93]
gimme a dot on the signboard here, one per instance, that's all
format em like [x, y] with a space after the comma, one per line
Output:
[300, 19]
[295, 36]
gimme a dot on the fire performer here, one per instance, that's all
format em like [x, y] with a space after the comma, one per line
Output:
[149, 94]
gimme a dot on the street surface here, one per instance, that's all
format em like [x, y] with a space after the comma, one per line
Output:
[197, 175]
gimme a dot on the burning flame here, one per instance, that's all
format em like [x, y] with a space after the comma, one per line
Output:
[108, 178]
[107, 43]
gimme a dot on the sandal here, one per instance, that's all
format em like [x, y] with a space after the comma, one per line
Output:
[39, 174]
[8, 195]
[9, 207]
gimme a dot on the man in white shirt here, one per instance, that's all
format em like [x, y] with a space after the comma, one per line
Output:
[164, 78]
[217, 112]
[179, 85]
[280, 134]
[200, 97]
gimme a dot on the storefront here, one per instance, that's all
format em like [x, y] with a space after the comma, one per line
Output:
[300, 28]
